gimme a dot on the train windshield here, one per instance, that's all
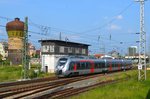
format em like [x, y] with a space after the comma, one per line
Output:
[62, 61]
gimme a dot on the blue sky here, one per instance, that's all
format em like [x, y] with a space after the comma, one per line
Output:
[85, 21]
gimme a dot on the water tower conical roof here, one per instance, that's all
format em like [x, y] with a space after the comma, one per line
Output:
[15, 25]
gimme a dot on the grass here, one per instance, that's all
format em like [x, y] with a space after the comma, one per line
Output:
[129, 89]
[9, 73]
[14, 73]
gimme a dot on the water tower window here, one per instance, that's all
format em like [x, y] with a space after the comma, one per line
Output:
[17, 34]
[12, 33]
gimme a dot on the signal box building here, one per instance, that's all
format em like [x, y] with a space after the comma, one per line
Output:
[52, 50]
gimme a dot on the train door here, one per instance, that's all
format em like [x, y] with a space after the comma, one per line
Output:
[110, 65]
[123, 65]
[119, 65]
[74, 66]
[92, 67]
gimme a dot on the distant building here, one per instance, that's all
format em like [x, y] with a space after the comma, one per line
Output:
[35, 61]
[52, 50]
[36, 58]
[135, 58]
[31, 50]
[107, 57]
[114, 54]
[99, 55]
[132, 50]
[38, 53]
[4, 50]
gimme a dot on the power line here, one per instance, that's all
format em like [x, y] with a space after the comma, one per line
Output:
[112, 20]
[91, 30]
[45, 29]
[89, 36]
[5, 18]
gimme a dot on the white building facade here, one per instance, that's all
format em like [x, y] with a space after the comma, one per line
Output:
[52, 50]
[132, 50]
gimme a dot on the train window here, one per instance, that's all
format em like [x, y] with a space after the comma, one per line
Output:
[96, 65]
[62, 61]
[126, 64]
[83, 66]
[87, 65]
[113, 64]
[102, 65]
[108, 64]
[99, 65]
[120, 64]
[71, 66]
[123, 64]
[78, 66]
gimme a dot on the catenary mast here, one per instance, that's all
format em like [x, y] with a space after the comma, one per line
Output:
[142, 45]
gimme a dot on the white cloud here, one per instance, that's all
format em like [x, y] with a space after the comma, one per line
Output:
[119, 17]
[114, 27]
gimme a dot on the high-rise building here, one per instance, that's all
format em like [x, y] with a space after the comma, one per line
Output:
[132, 50]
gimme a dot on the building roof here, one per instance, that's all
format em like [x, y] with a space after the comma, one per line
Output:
[61, 41]
[99, 55]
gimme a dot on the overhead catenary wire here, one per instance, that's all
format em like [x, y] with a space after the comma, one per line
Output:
[89, 37]
[73, 33]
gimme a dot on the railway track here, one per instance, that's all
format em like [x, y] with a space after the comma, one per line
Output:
[27, 81]
[49, 87]
[27, 89]
[73, 91]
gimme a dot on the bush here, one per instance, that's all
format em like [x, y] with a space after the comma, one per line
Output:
[33, 74]
[4, 62]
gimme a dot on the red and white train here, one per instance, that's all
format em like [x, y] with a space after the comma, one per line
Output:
[73, 66]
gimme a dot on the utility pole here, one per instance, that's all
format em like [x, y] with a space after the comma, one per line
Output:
[25, 50]
[102, 45]
[60, 36]
[142, 45]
